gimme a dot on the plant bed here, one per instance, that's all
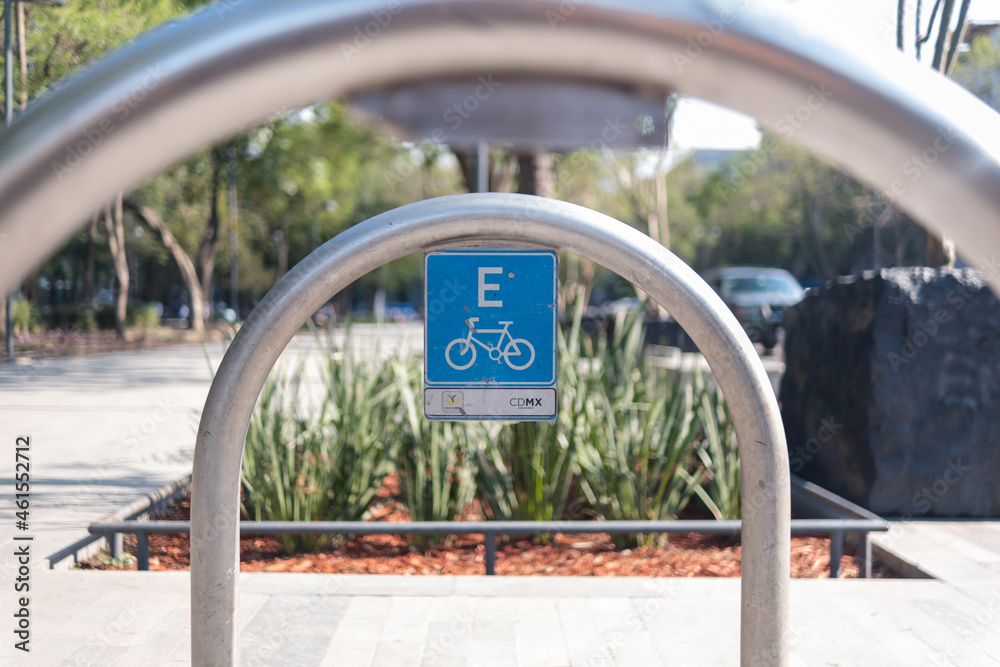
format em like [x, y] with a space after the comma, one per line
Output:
[632, 441]
[683, 555]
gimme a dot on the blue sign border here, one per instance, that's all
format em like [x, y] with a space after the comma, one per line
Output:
[555, 317]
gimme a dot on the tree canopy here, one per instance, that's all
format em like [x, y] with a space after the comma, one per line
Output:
[306, 175]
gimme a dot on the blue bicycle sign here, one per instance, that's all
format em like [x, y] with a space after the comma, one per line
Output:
[517, 353]
[490, 318]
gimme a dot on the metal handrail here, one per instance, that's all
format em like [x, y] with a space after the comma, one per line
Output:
[490, 529]
[814, 500]
[147, 505]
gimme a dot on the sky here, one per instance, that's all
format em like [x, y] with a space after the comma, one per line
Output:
[870, 24]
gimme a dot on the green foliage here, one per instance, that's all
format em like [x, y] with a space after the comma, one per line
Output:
[632, 441]
[435, 470]
[302, 179]
[26, 317]
[86, 319]
[319, 463]
[71, 317]
[104, 560]
[776, 205]
[182, 195]
[526, 470]
[779, 206]
[636, 432]
[585, 177]
[979, 69]
[60, 40]
[718, 452]
[143, 317]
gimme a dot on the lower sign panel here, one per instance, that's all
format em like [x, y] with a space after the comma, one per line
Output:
[490, 403]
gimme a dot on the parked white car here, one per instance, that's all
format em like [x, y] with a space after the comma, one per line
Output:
[758, 297]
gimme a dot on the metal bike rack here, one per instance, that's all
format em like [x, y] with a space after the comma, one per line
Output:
[234, 64]
[512, 219]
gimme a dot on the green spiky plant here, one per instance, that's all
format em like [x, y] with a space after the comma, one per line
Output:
[323, 462]
[525, 470]
[636, 433]
[436, 473]
[718, 451]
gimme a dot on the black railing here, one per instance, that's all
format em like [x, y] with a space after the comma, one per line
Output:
[835, 528]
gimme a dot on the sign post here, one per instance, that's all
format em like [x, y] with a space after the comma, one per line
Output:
[490, 343]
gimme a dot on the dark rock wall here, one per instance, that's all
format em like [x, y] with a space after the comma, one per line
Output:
[907, 366]
[828, 351]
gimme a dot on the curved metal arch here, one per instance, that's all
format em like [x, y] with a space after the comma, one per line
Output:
[893, 123]
[476, 218]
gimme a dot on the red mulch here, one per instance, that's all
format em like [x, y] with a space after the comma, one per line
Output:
[689, 555]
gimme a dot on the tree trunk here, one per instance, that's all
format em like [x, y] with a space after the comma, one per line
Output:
[900, 13]
[917, 36]
[115, 224]
[210, 239]
[661, 210]
[957, 37]
[22, 55]
[942, 36]
[88, 268]
[467, 163]
[281, 240]
[536, 175]
[814, 213]
[184, 263]
[939, 251]
[501, 171]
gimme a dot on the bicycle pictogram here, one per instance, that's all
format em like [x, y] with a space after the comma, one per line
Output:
[515, 349]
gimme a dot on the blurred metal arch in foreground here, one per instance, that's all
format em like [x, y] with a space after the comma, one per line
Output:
[893, 123]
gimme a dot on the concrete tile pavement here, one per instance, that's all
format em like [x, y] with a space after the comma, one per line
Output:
[965, 557]
[964, 553]
[130, 618]
[104, 429]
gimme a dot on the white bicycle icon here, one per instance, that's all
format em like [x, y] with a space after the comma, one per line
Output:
[463, 350]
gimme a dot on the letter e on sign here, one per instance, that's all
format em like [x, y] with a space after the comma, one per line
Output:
[488, 287]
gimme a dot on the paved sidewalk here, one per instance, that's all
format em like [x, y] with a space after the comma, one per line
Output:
[107, 429]
[964, 554]
[142, 618]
